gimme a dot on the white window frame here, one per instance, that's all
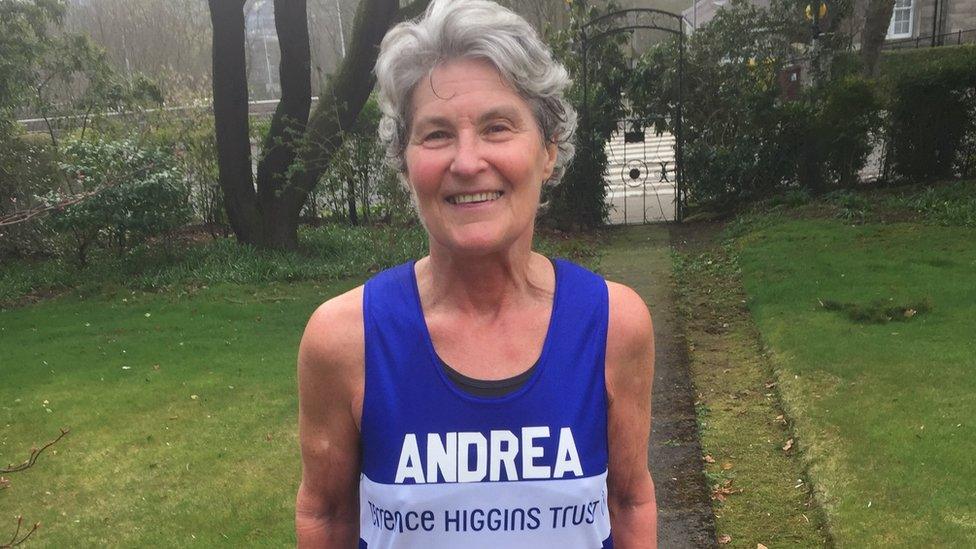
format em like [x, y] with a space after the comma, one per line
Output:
[911, 22]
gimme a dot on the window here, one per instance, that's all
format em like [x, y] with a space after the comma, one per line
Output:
[901, 19]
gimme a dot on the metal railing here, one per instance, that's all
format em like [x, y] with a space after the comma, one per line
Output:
[932, 41]
[264, 107]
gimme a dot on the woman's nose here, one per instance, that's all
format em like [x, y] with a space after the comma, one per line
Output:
[468, 160]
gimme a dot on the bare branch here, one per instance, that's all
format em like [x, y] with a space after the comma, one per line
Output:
[35, 453]
[13, 540]
[30, 213]
[26, 215]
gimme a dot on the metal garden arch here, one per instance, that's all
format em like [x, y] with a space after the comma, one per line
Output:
[649, 19]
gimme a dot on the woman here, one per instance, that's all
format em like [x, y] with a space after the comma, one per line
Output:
[484, 395]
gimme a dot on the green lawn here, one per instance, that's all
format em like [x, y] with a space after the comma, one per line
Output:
[179, 391]
[884, 412]
[181, 409]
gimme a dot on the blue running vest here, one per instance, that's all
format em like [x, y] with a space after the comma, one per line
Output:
[442, 468]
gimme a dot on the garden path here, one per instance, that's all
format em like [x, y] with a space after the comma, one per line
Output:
[639, 256]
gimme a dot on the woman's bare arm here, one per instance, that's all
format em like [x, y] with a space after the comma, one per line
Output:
[330, 387]
[629, 374]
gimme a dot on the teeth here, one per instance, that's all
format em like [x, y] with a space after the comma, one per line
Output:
[477, 197]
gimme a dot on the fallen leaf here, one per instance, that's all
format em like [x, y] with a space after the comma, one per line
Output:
[156, 367]
[761, 546]
[727, 465]
[724, 538]
[268, 437]
[720, 492]
[194, 397]
[770, 384]
[709, 459]
[788, 445]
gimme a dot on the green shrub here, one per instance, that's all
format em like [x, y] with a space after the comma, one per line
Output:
[579, 200]
[359, 186]
[195, 148]
[134, 193]
[933, 118]
[28, 171]
[849, 121]
[853, 206]
[893, 64]
[792, 198]
[744, 140]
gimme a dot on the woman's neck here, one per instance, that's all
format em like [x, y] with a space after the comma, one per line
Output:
[483, 285]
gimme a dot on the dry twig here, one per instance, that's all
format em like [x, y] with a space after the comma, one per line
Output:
[13, 540]
[16, 539]
[27, 215]
[34, 454]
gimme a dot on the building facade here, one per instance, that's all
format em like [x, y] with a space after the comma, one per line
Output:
[932, 22]
[914, 23]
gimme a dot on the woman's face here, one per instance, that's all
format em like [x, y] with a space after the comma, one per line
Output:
[475, 159]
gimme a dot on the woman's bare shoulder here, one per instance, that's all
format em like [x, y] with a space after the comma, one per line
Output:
[333, 342]
[630, 327]
[630, 343]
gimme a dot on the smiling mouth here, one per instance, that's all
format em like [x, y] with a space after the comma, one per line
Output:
[474, 198]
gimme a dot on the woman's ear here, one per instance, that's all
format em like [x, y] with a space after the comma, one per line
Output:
[552, 153]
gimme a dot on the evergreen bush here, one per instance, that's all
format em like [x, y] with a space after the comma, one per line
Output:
[133, 194]
[933, 119]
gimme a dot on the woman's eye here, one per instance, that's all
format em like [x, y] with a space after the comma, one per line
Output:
[436, 136]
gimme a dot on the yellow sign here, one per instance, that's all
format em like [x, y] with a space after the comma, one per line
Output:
[823, 11]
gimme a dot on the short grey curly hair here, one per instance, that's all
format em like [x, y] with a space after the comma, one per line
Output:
[452, 29]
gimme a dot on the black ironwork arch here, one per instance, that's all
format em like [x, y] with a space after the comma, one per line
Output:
[677, 20]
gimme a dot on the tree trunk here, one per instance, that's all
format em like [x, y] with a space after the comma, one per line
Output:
[364, 189]
[230, 119]
[876, 21]
[351, 200]
[297, 149]
[287, 125]
[344, 96]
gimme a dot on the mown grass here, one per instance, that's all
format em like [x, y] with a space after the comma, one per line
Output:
[181, 410]
[883, 410]
[760, 493]
[177, 381]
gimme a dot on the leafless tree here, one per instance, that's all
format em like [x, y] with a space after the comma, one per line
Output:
[170, 41]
